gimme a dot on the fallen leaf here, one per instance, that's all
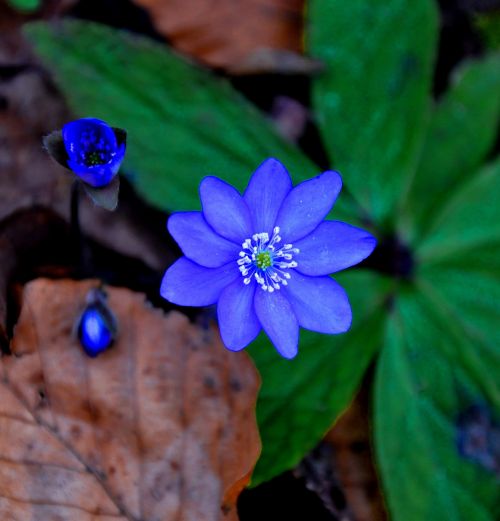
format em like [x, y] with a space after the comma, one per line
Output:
[29, 237]
[161, 426]
[353, 460]
[224, 33]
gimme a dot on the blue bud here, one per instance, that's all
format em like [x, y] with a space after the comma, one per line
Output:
[94, 150]
[97, 325]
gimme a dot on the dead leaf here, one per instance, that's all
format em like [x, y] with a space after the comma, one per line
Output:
[159, 427]
[350, 438]
[223, 33]
[340, 470]
[28, 238]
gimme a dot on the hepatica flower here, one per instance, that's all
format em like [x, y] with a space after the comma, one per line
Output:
[265, 257]
[93, 151]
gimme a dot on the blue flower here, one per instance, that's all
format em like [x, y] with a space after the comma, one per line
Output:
[265, 257]
[95, 150]
[97, 325]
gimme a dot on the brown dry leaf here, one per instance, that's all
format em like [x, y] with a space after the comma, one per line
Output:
[350, 438]
[159, 427]
[225, 33]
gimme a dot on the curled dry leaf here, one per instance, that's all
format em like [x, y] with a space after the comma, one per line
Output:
[225, 33]
[159, 427]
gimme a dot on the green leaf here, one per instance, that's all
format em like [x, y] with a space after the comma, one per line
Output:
[440, 358]
[372, 101]
[300, 399]
[488, 25]
[468, 221]
[25, 5]
[432, 369]
[462, 131]
[183, 122]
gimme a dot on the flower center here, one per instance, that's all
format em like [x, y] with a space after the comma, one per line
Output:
[263, 260]
[94, 148]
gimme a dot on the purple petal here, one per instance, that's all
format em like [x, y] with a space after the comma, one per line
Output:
[188, 284]
[199, 242]
[237, 319]
[331, 247]
[266, 191]
[319, 303]
[278, 321]
[307, 205]
[225, 210]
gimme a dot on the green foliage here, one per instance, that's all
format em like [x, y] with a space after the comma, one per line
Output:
[25, 5]
[431, 369]
[488, 24]
[416, 168]
[462, 130]
[300, 398]
[372, 100]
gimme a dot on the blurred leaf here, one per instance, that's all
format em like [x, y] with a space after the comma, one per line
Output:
[183, 123]
[25, 5]
[300, 399]
[488, 25]
[463, 129]
[129, 435]
[224, 33]
[430, 373]
[468, 220]
[275, 61]
[372, 101]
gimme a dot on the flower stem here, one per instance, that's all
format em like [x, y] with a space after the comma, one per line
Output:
[78, 240]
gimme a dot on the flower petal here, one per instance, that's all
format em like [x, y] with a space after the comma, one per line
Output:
[278, 321]
[97, 175]
[268, 187]
[225, 210]
[199, 242]
[319, 303]
[72, 134]
[237, 319]
[331, 247]
[188, 284]
[307, 205]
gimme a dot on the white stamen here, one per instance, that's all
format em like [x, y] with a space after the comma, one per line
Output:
[261, 259]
